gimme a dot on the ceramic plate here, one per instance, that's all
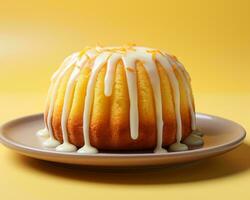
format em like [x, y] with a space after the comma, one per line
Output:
[220, 136]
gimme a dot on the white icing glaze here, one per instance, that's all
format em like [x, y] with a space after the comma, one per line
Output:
[129, 57]
[129, 62]
[197, 132]
[152, 71]
[43, 133]
[52, 142]
[193, 140]
[180, 65]
[155, 82]
[66, 146]
[99, 62]
[184, 78]
[65, 63]
[109, 77]
[176, 92]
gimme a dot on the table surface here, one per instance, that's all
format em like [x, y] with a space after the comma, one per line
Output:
[227, 175]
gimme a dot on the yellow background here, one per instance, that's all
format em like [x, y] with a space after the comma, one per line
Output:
[212, 39]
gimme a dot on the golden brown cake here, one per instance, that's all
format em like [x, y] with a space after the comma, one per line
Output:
[120, 98]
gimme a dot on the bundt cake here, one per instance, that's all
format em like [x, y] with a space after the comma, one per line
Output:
[120, 98]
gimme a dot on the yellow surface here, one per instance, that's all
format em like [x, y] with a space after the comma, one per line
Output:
[211, 38]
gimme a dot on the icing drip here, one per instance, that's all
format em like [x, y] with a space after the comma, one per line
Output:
[178, 147]
[151, 69]
[109, 77]
[197, 132]
[66, 146]
[186, 78]
[179, 64]
[129, 56]
[176, 92]
[65, 63]
[193, 140]
[99, 62]
[189, 94]
[43, 133]
[52, 142]
[129, 62]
